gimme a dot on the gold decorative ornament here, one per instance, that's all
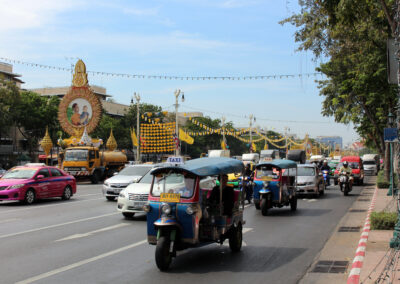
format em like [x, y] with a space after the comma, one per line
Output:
[46, 142]
[80, 107]
[80, 75]
[111, 142]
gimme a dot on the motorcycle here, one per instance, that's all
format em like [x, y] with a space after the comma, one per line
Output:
[247, 185]
[345, 183]
[325, 174]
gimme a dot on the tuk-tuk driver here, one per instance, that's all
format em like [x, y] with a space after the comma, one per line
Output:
[187, 190]
[228, 195]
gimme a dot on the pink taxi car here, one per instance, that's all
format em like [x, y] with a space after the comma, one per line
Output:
[36, 181]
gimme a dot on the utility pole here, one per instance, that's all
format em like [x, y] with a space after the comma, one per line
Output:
[137, 97]
[177, 93]
[251, 132]
[223, 128]
[287, 129]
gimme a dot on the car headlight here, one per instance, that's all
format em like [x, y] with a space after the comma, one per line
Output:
[166, 208]
[106, 184]
[146, 207]
[17, 186]
[122, 194]
[191, 210]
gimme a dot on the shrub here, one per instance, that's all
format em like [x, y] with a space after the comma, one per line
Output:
[380, 180]
[383, 220]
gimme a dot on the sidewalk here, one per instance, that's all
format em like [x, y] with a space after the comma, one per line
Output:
[353, 248]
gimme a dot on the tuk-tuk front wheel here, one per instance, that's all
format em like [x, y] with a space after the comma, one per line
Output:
[235, 238]
[265, 205]
[163, 256]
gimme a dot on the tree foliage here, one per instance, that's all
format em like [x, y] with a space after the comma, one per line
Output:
[351, 35]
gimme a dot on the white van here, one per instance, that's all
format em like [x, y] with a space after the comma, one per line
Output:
[371, 164]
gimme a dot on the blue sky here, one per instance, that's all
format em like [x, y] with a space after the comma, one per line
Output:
[175, 37]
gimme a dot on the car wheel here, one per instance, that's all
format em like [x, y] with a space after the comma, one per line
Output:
[163, 256]
[95, 178]
[128, 215]
[30, 196]
[67, 193]
[235, 238]
[321, 192]
[110, 198]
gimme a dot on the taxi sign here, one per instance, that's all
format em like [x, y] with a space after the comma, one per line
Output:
[266, 178]
[175, 160]
[170, 197]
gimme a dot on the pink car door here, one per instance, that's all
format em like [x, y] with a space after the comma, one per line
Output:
[57, 183]
[43, 185]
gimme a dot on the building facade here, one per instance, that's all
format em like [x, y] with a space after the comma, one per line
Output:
[331, 141]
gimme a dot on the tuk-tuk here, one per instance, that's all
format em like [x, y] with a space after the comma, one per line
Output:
[184, 212]
[275, 185]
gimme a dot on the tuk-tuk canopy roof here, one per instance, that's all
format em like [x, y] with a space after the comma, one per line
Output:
[282, 164]
[206, 166]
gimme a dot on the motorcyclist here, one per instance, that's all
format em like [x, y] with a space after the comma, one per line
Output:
[325, 167]
[346, 170]
[249, 174]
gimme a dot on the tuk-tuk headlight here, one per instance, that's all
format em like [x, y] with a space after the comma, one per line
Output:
[166, 208]
[265, 184]
[191, 210]
[146, 208]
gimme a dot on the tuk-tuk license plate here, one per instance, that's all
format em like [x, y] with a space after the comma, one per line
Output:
[170, 197]
[266, 178]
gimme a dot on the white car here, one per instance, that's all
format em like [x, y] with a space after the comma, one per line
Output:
[130, 174]
[132, 198]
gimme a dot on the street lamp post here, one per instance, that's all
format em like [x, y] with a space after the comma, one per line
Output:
[251, 132]
[287, 129]
[177, 93]
[223, 128]
[137, 97]
[391, 185]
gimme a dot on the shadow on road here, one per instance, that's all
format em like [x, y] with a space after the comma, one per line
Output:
[250, 259]
[285, 212]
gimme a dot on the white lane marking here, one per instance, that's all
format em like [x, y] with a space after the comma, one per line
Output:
[51, 205]
[246, 230]
[57, 225]
[79, 263]
[248, 205]
[77, 236]
[312, 200]
[10, 220]
[78, 195]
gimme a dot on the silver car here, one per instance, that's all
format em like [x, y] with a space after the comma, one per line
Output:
[130, 174]
[309, 181]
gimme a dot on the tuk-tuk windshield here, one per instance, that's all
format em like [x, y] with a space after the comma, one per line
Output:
[173, 183]
[266, 172]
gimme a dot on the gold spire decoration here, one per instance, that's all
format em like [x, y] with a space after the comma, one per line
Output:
[46, 142]
[111, 143]
[80, 77]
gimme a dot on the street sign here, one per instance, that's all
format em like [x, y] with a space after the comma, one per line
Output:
[390, 134]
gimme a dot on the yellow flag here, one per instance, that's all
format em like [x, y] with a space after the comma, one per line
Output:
[253, 146]
[266, 146]
[134, 138]
[185, 137]
[223, 145]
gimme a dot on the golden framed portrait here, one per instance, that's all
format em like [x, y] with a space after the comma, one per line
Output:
[79, 108]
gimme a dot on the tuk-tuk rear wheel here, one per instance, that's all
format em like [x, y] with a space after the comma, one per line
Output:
[293, 203]
[235, 238]
[163, 256]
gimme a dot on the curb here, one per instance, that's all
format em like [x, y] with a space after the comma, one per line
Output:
[354, 275]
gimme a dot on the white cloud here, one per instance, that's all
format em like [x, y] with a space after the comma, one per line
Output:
[141, 12]
[237, 3]
[27, 14]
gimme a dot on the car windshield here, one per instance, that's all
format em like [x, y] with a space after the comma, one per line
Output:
[19, 173]
[147, 178]
[173, 183]
[76, 155]
[369, 163]
[306, 171]
[134, 171]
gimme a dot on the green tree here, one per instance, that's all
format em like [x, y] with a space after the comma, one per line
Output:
[351, 35]
[9, 100]
[34, 113]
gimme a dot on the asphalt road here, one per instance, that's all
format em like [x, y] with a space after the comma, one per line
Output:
[85, 240]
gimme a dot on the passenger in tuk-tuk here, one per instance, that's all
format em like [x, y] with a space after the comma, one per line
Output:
[228, 195]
